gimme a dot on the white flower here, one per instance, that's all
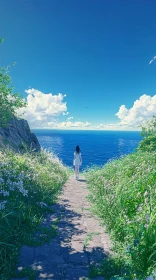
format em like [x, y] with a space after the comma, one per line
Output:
[128, 248]
[1, 180]
[2, 205]
[140, 208]
[147, 217]
[18, 184]
[28, 177]
[10, 185]
[150, 278]
[5, 193]
[21, 176]
[24, 192]
[43, 204]
[7, 172]
[9, 182]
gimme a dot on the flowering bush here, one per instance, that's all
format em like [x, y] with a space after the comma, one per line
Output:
[123, 195]
[148, 142]
[29, 183]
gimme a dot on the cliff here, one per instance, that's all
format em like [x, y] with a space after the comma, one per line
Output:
[18, 136]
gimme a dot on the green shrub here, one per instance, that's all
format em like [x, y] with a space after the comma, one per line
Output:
[29, 183]
[123, 195]
[148, 144]
[9, 101]
[149, 127]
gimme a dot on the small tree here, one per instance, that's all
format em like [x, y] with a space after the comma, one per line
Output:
[149, 133]
[149, 127]
[9, 101]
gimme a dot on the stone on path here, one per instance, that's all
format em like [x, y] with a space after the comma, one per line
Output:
[80, 242]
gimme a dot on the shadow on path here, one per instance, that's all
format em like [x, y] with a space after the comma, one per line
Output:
[77, 245]
[82, 180]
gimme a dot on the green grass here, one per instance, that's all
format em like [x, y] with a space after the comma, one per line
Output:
[123, 195]
[89, 237]
[29, 185]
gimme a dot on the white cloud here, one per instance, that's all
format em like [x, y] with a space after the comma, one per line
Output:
[43, 111]
[43, 108]
[143, 109]
[62, 125]
[70, 118]
[65, 114]
[154, 58]
[123, 111]
[112, 126]
[69, 124]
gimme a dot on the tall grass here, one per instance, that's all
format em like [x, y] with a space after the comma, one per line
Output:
[123, 195]
[29, 184]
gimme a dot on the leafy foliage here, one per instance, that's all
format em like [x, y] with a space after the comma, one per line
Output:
[148, 144]
[9, 101]
[149, 127]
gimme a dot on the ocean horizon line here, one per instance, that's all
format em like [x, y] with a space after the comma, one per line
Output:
[58, 129]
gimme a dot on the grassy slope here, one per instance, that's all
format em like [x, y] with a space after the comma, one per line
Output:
[28, 185]
[123, 195]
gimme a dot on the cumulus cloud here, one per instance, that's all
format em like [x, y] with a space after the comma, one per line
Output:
[123, 111]
[143, 109]
[154, 58]
[43, 111]
[43, 108]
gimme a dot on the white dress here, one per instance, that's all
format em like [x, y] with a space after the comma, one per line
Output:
[77, 159]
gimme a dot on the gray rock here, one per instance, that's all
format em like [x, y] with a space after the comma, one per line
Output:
[18, 136]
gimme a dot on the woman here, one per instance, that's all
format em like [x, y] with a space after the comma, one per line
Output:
[77, 161]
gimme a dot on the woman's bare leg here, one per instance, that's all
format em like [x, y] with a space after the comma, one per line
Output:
[76, 171]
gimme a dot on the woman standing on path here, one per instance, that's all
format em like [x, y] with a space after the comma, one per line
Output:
[77, 161]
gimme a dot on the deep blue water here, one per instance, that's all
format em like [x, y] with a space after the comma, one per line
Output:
[97, 147]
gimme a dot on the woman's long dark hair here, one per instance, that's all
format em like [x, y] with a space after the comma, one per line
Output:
[77, 149]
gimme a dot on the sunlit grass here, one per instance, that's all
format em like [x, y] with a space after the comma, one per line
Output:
[123, 195]
[29, 184]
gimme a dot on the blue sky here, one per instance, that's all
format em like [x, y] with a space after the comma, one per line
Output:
[96, 52]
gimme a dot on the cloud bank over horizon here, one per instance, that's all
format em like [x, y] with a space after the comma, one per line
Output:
[143, 109]
[44, 111]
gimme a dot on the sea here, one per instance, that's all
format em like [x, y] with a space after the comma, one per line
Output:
[97, 147]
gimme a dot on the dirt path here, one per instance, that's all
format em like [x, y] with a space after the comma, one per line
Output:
[81, 240]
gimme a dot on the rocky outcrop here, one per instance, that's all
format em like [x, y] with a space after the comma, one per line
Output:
[18, 136]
